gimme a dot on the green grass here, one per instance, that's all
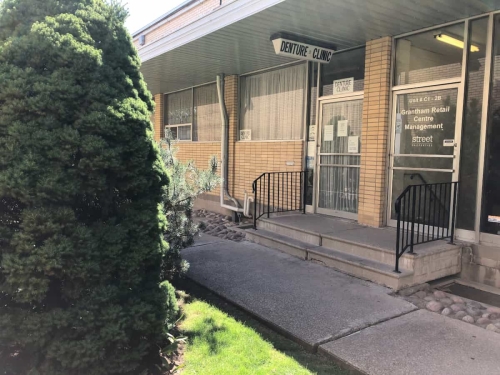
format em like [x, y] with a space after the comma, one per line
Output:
[222, 339]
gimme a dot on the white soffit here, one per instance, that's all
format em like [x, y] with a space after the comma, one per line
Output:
[239, 40]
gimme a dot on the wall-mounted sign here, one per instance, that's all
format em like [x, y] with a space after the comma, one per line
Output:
[312, 132]
[353, 144]
[342, 128]
[328, 133]
[341, 86]
[246, 135]
[302, 51]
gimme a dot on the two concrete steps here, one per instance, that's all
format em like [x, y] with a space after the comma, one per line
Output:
[359, 259]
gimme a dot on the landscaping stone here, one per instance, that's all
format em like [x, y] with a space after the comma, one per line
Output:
[492, 327]
[446, 301]
[475, 304]
[457, 307]
[421, 294]
[434, 306]
[493, 309]
[483, 321]
[460, 314]
[468, 319]
[429, 298]
[457, 299]
[473, 311]
[446, 311]
[439, 294]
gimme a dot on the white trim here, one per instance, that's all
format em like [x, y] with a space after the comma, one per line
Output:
[216, 20]
[271, 140]
[276, 67]
[484, 125]
[427, 84]
[190, 87]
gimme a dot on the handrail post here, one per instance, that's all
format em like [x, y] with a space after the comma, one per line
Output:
[413, 200]
[398, 227]
[268, 193]
[304, 192]
[455, 187]
[255, 204]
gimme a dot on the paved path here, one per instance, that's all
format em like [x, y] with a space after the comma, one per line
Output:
[353, 320]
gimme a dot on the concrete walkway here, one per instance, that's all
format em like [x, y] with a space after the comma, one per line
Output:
[352, 320]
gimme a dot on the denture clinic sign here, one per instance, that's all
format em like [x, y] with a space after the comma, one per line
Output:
[302, 51]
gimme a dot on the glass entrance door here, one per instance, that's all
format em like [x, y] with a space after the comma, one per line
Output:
[339, 156]
[426, 140]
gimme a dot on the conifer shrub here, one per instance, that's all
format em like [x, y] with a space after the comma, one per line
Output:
[81, 194]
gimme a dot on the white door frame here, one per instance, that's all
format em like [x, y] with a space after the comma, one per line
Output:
[328, 100]
[458, 85]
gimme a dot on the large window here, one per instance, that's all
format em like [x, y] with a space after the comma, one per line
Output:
[273, 104]
[193, 114]
[429, 56]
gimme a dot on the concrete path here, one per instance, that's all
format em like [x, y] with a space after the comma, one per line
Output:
[352, 320]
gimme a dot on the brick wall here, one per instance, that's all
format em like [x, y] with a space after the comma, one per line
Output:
[375, 133]
[179, 20]
[254, 158]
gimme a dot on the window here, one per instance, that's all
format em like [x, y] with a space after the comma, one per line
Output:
[179, 114]
[429, 56]
[349, 64]
[194, 114]
[207, 117]
[273, 104]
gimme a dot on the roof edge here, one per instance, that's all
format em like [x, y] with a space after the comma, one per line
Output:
[170, 13]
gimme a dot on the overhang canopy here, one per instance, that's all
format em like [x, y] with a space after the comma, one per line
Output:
[235, 38]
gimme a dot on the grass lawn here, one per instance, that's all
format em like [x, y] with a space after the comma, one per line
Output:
[223, 339]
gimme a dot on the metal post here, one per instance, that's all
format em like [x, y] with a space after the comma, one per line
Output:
[414, 199]
[455, 185]
[304, 193]
[268, 193]
[255, 205]
[398, 211]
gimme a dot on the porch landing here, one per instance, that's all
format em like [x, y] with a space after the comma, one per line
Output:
[358, 250]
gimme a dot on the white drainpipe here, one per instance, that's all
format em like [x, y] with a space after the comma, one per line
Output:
[224, 140]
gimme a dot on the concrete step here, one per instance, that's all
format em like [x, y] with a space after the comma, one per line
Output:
[279, 242]
[386, 256]
[364, 268]
[296, 233]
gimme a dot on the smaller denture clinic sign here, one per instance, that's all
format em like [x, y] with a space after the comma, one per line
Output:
[302, 51]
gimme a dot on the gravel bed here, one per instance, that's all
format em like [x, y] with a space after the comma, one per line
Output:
[219, 226]
[454, 307]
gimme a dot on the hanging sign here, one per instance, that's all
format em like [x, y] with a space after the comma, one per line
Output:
[341, 86]
[302, 51]
[353, 144]
[342, 128]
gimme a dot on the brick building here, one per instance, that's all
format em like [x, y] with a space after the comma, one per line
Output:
[336, 108]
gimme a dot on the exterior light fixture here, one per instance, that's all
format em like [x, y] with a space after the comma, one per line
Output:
[448, 39]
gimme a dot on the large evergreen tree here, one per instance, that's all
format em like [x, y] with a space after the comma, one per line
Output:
[80, 190]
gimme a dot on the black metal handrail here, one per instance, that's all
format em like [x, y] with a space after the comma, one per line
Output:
[279, 192]
[425, 213]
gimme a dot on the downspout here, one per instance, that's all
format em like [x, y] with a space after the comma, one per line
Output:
[224, 146]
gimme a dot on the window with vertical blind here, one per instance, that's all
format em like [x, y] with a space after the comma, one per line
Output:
[272, 104]
[193, 114]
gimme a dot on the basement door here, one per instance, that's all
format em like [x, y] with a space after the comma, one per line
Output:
[339, 155]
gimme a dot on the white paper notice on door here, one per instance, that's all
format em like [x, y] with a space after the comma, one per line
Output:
[342, 128]
[353, 144]
[328, 133]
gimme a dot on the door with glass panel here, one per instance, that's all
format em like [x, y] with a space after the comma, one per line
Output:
[339, 150]
[425, 144]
